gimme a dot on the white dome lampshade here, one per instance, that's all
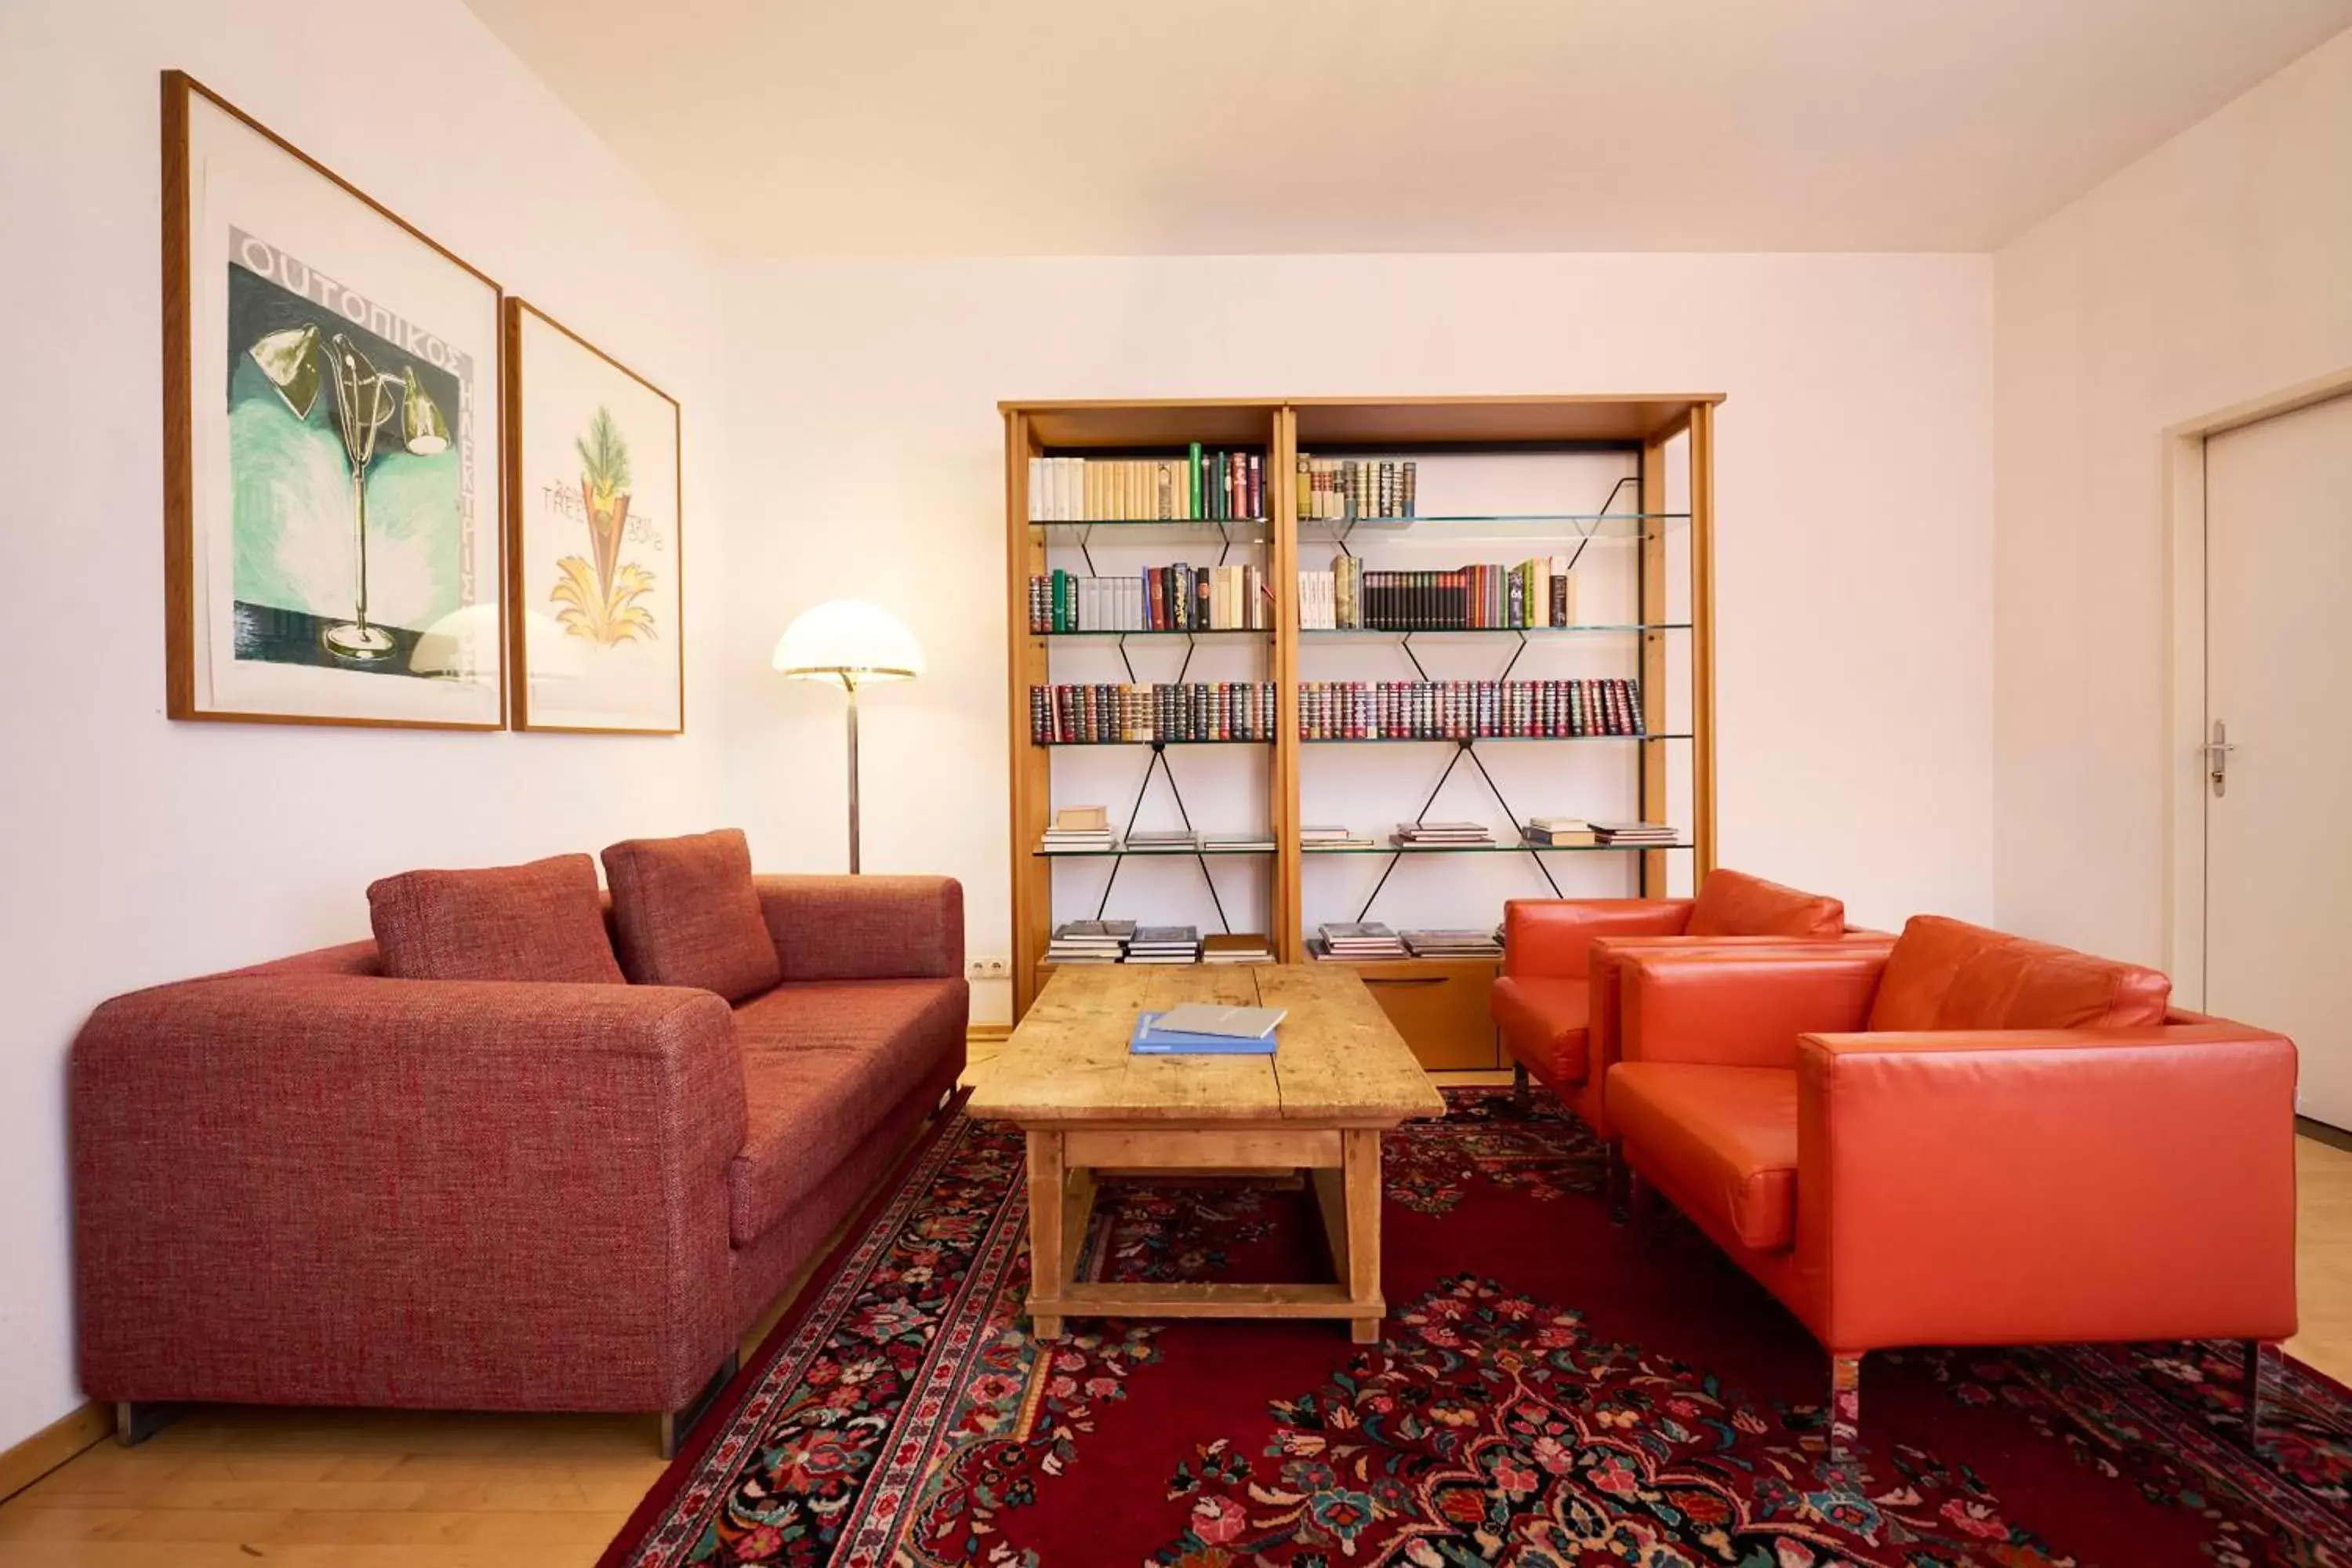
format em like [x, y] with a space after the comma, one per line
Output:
[850, 641]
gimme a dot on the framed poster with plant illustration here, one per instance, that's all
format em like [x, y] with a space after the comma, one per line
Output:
[332, 447]
[593, 503]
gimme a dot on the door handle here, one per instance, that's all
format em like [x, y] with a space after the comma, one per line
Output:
[2217, 759]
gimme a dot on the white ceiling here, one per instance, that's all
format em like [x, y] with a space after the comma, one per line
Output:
[879, 127]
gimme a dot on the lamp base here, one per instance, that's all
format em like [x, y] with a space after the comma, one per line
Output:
[358, 642]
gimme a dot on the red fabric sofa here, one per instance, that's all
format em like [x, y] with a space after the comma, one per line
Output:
[1971, 1139]
[1555, 1003]
[305, 1183]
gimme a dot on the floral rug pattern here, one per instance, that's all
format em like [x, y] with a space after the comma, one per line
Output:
[903, 1418]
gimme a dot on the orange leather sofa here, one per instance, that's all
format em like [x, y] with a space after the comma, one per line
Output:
[1555, 1003]
[1972, 1139]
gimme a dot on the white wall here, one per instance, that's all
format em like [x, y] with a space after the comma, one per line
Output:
[138, 850]
[2211, 272]
[1854, 489]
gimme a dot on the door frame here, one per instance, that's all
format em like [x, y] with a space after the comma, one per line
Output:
[2185, 733]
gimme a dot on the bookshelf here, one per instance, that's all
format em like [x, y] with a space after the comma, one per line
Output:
[1621, 489]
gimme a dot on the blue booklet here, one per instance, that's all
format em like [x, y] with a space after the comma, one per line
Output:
[1148, 1041]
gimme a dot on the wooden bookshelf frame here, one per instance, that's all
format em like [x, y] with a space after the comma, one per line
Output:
[1428, 990]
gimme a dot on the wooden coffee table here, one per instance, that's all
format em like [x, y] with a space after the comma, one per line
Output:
[1341, 1078]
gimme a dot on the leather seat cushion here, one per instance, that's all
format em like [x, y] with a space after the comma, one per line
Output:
[824, 1065]
[1733, 903]
[1724, 1138]
[1947, 975]
[1542, 1022]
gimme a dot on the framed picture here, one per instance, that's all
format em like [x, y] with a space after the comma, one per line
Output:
[333, 450]
[592, 501]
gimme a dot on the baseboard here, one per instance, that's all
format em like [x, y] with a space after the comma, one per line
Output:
[53, 1445]
[986, 1034]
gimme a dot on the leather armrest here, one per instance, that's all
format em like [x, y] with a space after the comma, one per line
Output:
[1725, 1008]
[2024, 1185]
[1551, 938]
[1604, 1032]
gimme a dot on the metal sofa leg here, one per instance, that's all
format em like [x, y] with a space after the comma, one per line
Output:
[1845, 1404]
[2252, 1354]
[678, 1425]
[135, 1421]
[1617, 1177]
[1641, 1207]
[1521, 1096]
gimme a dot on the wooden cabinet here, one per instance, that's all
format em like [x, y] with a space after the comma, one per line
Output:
[1439, 1006]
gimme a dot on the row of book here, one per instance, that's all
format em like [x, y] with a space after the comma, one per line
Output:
[1358, 942]
[1461, 710]
[1178, 598]
[1342, 489]
[1124, 942]
[1537, 591]
[1064, 715]
[1199, 485]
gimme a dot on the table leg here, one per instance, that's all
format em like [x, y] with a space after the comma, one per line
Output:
[1048, 1271]
[1360, 1155]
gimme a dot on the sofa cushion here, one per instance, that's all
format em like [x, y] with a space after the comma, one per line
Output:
[685, 913]
[1733, 903]
[541, 921]
[824, 1064]
[1723, 1140]
[1947, 975]
[1542, 1022]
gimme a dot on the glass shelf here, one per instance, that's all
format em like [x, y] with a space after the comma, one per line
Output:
[1142, 632]
[1393, 634]
[1521, 847]
[1171, 852]
[1156, 530]
[1616, 526]
[1466, 740]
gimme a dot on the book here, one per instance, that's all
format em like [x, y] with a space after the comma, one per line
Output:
[1638, 832]
[1559, 832]
[1450, 943]
[1115, 714]
[1156, 841]
[1237, 842]
[1245, 947]
[1149, 1040]
[1171, 598]
[1081, 818]
[1360, 939]
[1191, 486]
[1346, 489]
[1215, 1018]
[1482, 596]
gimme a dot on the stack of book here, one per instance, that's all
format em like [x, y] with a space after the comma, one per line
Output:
[1209, 485]
[1078, 830]
[1089, 942]
[1178, 598]
[1559, 832]
[1237, 842]
[1356, 940]
[1110, 713]
[1162, 841]
[1164, 945]
[1487, 596]
[1440, 835]
[1454, 943]
[1341, 488]
[1466, 709]
[1242, 947]
[1637, 835]
[1206, 1028]
[1334, 838]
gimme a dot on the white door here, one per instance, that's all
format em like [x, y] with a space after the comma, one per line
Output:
[2278, 671]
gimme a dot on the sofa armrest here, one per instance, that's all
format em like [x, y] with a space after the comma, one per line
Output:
[1732, 1007]
[1552, 938]
[1604, 1032]
[334, 1189]
[866, 928]
[2014, 1186]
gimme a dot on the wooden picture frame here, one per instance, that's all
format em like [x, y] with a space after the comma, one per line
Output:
[595, 576]
[359, 371]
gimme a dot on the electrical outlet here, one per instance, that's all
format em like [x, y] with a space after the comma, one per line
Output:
[992, 967]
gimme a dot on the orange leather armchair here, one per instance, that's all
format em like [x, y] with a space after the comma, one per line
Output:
[1555, 1005]
[1972, 1139]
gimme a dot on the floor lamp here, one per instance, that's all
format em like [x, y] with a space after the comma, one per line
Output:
[856, 643]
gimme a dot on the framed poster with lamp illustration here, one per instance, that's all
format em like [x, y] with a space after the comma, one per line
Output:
[332, 447]
[594, 632]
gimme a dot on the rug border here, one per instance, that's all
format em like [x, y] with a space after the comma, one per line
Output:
[729, 1401]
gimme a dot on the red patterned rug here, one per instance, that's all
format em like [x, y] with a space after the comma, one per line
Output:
[1551, 1390]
